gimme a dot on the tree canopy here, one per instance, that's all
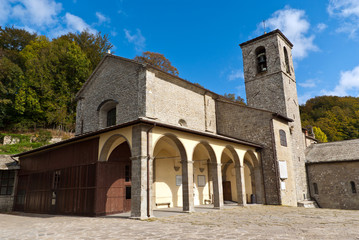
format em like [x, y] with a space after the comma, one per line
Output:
[157, 60]
[233, 97]
[337, 117]
[40, 77]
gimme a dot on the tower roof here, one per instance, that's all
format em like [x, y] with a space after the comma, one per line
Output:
[277, 31]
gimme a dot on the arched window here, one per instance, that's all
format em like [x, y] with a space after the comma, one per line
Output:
[286, 59]
[352, 184]
[315, 186]
[283, 138]
[261, 59]
[107, 113]
[111, 117]
[182, 123]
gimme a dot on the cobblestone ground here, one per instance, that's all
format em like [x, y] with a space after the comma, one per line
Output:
[250, 222]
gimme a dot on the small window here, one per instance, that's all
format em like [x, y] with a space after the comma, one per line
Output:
[182, 123]
[128, 192]
[111, 117]
[283, 138]
[261, 59]
[286, 59]
[315, 186]
[127, 173]
[352, 184]
[7, 178]
[56, 179]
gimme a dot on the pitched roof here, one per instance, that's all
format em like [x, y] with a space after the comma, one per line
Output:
[333, 152]
[8, 163]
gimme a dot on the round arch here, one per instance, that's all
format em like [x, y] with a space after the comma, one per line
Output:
[254, 187]
[110, 144]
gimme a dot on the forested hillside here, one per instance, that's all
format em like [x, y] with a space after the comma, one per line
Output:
[39, 77]
[337, 117]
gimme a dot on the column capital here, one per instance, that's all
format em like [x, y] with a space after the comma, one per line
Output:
[238, 166]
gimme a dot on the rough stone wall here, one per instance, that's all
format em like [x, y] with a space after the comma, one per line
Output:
[116, 79]
[275, 90]
[170, 99]
[333, 181]
[256, 126]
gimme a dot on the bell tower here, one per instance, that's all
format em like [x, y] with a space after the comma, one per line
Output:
[271, 85]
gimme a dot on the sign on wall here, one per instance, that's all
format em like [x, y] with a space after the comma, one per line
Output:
[283, 172]
[178, 180]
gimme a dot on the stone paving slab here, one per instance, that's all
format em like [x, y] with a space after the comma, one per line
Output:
[249, 222]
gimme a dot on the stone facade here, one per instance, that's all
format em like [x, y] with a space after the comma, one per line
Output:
[115, 79]
[274, 88]
[333, 173]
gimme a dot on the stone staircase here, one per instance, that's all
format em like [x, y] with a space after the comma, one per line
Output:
[307, 204]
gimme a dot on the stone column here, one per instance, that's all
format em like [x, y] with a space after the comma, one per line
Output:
[139, 172]
[216, 173]
[240, 184]
[187, 186]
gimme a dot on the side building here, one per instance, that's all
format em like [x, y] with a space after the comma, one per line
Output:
[333, 173]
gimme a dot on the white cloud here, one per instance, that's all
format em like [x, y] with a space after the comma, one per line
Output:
[102, 18]
[137, 39]
[76, 24]
[348, 12]
[309, 83]
[41, 16]
[348, 84]
[321, 27]
[4, 11]
[35, 12]
[236, 74]
[293, 23]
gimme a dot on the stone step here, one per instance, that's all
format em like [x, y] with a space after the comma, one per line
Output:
[307, 204]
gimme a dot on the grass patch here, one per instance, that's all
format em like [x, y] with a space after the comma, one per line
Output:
[20, 147]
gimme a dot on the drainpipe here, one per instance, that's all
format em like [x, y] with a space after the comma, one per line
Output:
[148, 169]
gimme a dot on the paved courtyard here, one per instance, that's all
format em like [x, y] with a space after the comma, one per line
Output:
[250, 222]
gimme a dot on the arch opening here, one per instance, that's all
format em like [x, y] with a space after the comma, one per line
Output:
[114, 183]
[253, 179]
[167, 172]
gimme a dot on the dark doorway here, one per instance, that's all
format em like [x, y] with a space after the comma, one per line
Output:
[227, 193]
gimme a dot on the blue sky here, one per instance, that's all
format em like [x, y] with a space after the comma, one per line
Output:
[201, 38]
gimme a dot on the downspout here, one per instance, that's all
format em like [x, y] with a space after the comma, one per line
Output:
[148, 169]
[275, 162]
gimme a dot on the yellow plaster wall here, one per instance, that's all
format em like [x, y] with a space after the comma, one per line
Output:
[248, 182]
[125, 132]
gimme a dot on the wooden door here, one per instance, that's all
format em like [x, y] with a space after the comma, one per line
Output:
[227, 194]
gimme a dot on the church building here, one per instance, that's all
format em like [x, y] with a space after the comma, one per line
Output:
[146, 139]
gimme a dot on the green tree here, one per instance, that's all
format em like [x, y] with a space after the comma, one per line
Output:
[320, 135]
[157, 60]
[95, 46]
[232, 97]
[337, 117]
[55, 71]
[12, 41]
